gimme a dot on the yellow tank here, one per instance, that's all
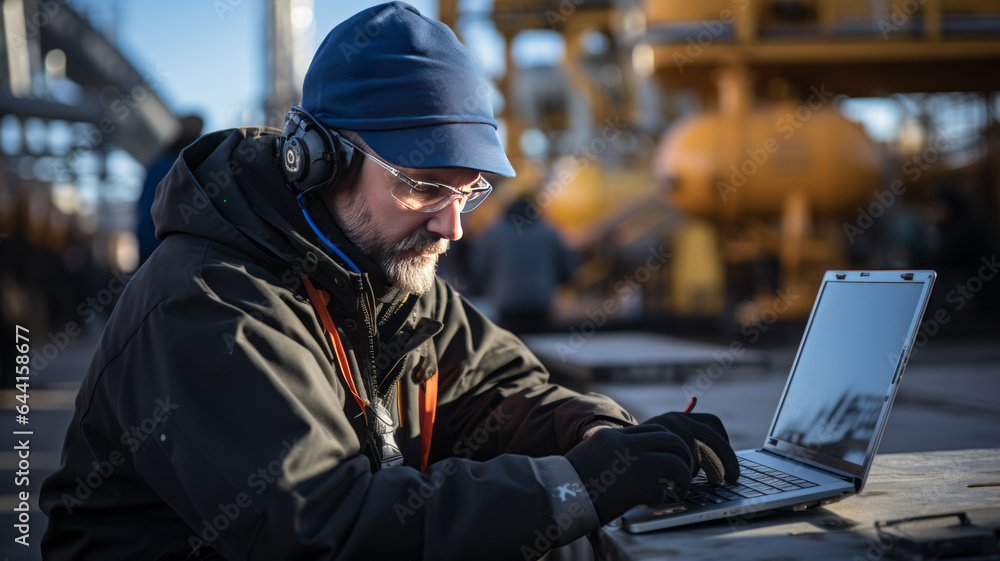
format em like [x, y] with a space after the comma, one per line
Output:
[660, 11]
[749, 163]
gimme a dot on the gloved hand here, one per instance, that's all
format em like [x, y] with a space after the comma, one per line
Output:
[628, 466]
[708, 442]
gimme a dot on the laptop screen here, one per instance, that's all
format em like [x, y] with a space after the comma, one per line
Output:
[843, 374]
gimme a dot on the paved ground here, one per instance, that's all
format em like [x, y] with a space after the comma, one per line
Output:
[949, 400]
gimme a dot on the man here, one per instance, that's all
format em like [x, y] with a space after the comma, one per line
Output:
[285, 378]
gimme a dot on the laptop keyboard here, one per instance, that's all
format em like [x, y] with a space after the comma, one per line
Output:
[755, 480]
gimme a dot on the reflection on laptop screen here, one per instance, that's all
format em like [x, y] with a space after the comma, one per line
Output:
[845, 367]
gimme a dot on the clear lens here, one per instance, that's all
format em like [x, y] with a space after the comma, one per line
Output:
[419, 196]
[429, 197]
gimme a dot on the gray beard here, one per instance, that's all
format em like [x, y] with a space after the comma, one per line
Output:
[411, 274]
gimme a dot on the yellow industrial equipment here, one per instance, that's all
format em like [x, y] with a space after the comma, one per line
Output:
[773, 180]
[769, 171]
[724, 167]
[777, 179]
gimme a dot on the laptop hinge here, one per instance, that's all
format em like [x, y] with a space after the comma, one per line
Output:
[816, 466]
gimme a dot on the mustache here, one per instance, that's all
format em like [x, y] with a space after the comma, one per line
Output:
[422, 242]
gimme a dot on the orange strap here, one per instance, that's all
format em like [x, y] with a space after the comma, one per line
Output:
[428, 389]
[428, 409]
[319, 302]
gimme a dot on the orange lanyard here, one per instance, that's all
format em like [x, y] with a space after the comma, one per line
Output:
[319, 303]
[428, 410]
[428, 389]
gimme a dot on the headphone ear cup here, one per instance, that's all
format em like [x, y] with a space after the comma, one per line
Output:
[294, 161]
[318, 157]
[290, 154]
[308, 155]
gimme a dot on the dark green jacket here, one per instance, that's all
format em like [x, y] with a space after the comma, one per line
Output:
[213, 418]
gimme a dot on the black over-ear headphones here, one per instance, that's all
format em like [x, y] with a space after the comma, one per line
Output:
[311, 155]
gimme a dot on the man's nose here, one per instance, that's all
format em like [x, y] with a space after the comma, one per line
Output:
[447, 222]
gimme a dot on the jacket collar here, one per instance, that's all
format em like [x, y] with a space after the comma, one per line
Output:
[228, 187]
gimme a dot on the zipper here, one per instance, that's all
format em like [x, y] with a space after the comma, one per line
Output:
[421, 336]
[381, 434]
[366, 309]
[390, 383]
[390, 310]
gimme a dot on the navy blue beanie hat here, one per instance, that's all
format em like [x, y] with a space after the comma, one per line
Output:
[409, 88]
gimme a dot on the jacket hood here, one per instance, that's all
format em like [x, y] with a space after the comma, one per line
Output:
[226, 187]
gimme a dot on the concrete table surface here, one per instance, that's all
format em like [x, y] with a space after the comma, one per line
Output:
[632, 356]
[898, 486]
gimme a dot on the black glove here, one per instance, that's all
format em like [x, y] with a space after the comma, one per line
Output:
[628, 466]
[708, 441]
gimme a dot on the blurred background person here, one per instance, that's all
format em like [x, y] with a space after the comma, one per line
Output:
[518, 264]
[191, 126]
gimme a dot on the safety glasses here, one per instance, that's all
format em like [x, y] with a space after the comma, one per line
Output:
[430, 197]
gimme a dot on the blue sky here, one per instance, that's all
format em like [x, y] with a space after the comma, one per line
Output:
[211, 54]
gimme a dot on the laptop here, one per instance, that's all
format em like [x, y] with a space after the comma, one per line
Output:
[833, 410]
